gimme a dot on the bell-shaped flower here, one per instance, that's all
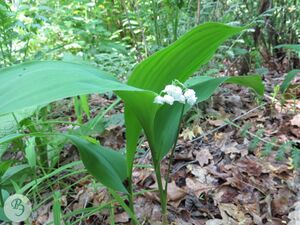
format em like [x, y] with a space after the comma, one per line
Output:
[159, 100]
[168, 99]
[190, 96]
[174, 91]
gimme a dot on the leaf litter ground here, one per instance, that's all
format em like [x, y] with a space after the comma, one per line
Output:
[219, 175]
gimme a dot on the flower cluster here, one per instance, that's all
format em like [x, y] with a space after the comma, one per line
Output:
[173, 93]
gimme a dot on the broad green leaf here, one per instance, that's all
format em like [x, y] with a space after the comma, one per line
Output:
[178, 61]
[288, 79]
[206, 86]
[252, 81]
[182, 58]
[166, 123]
[107, 166]
[38, 83]
[133, 130]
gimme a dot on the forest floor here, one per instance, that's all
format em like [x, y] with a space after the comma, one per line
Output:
[222, 173]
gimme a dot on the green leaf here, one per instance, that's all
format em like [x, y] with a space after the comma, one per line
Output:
[206, 86]
[9, 124]
[293, 47]
[106, 165]
[133, 130]
[167, 121]
[254, 82]
[182, 58]
[14, 173]
[30, 152]
[178, 61]
[38, 83]
[10, 137]
[85, 105]
[124, 206]
[4, 165]
[5, 195]
[295, 153]
[57, 208]
[288, 79]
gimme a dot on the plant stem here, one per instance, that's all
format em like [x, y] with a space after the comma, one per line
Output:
[165, 191]
[155, 15]
[175, 24]
[130, 197]
[1, 198]
[162, 193]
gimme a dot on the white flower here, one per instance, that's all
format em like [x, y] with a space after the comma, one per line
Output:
[189, 93]
[159, 100]
[168, 99]
[190, 96]
[174, 91]
[192, 100]
[169, 88]
[181, 99]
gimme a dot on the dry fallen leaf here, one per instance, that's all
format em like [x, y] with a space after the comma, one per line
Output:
[197, 130]
[232, 215]
[187, 134]
[296, 120]
[121, 217]
[175, 193]
[198, 172]
[216, 123]
[214, 222]
[203, 156]
[197, 188]
[280, 203]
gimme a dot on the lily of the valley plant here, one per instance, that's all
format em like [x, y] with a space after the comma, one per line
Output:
[157, 94]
